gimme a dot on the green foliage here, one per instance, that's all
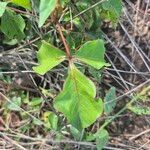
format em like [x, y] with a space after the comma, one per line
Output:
[51, 120]
[35, 101]
[139, 110]
[49, 57]
[78, 96]
[23, 3]
[102, 137]
[112, 10]
[76, 133]
[46, 8]
[92, 53]
[2, 7]
[12, 25]
[77, 100]
[14, 104]
[138, 106]
[109, 100]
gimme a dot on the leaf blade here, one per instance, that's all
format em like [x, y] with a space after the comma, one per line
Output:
[113, 10]
[2, 7]
[92, 53]
[23, 3]
[48, 57]
[46, 8]
[13, 25]
[109, 101]
[102, 138]
[77, 100]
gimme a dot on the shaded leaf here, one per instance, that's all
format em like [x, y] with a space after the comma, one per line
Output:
[23, 3]
[113, 9]
[2, 7]
[51, 120]
[12, 25]
[109, 102]
[14, 104]
[139, 110]
[46, 8]
[48, 57]
[76, 133]
[102, 138]
[92, 53]
[77, 101]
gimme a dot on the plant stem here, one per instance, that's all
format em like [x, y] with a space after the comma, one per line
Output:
[59, 28]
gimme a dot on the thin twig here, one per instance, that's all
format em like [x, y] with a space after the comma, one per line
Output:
[138, 135]
[59, 28]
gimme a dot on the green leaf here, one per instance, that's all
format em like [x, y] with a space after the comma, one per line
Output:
[109, 102]
[77, 101]
[102, 138]
[14, 104]
[113, 9]
[23, 3]
[12, 25]
[115, 5]
[76, 133]
[48, 57]
[92, 53]
[139, 110]
[51, 120]
[35, 101]
[2, 7]
[36, 121]
[46, 8]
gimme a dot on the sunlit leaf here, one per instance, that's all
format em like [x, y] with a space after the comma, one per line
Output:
[2, 7]
[77, 101]
[48, 57]
[35, 101]
[46, 8]
[51, 120]
[92, 53]
[23, 3]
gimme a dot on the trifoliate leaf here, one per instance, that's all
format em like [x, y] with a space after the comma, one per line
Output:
[46, 8]
[77, 101]
[48, 57]
[92, 53]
